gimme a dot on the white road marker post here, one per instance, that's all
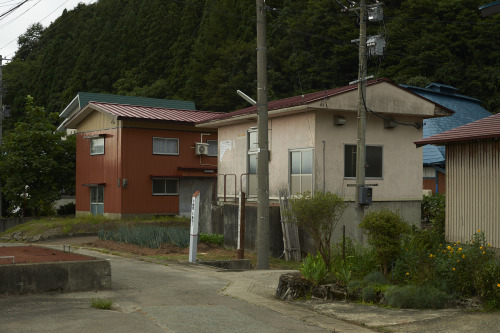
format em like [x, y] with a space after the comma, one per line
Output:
[195, 217]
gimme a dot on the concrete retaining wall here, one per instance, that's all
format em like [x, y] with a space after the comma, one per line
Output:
[225, 221]
[12, 222]
[66, 276]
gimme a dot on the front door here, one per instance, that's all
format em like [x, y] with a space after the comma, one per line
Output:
[97, 200]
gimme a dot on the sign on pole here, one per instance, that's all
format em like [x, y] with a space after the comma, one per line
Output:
[195, 217]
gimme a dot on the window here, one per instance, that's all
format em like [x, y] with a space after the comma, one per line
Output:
[97, 200]
[165, 146]
[301, 177]
[253, 149]
[373, 164]
[212, 147]
[252, 154]
[97, 146]
[165, 186]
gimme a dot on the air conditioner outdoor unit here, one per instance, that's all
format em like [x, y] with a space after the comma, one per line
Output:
[201, 148]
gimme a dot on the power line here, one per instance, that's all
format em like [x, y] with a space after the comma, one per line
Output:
[7, 23]
[10, 11]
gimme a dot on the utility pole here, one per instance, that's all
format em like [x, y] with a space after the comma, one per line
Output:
[262, 241]
[361, 141]
[1, 125]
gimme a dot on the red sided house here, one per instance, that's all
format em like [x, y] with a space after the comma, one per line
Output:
[142, 161]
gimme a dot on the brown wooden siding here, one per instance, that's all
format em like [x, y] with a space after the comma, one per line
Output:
[139, 164]
[430, 184]
[97, 169]
[129, 155]
[473, 190]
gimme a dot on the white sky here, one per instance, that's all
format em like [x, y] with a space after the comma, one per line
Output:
[33, 11]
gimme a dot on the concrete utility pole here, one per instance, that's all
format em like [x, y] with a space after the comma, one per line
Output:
[361, 143]
[1, 125]
[262, 240]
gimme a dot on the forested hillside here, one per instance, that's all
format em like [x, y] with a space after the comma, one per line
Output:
[203, 50]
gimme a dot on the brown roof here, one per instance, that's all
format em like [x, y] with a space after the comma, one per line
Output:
[153, 113]
[485, 128]
[296, 100]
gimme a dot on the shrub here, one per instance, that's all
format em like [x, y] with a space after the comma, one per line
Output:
[360, 259]
[385, 229]
[318, 215]
[375, 277]
[215, 239]
[415, 297]
[67, 209]
[314, 269]
[433, 212]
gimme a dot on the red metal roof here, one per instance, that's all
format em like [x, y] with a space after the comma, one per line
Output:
[296, 100]
[485, 128]
[153, 113]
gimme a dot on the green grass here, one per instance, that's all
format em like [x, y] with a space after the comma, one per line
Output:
[101, 304]
[86, 224]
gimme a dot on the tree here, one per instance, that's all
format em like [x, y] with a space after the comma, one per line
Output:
[28, 41]
[318, 215]
[37, 163]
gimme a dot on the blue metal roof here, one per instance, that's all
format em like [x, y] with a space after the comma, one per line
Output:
[467, 110]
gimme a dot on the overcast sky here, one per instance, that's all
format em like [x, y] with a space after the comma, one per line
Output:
[33, 11]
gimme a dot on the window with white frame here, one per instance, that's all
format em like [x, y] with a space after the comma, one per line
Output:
[212, 148]
[165, 146]
[253, 149]
[97, 146]
[97, 200]
[373, 164]
[301, 170]
[165, 186]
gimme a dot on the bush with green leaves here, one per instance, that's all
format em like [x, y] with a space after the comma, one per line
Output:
[314, 269]
[433, 210]
[385, 230]
[415, 297]
[360, 259]
[67, 209]
[215, 239]
[318, 215]
[149, 236]
[414, 263]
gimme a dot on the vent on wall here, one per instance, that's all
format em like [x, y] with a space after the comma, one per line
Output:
[201, 148]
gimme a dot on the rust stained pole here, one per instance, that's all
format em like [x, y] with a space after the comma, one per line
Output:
[241, 227]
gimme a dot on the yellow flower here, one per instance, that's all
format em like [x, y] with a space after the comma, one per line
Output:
[484, 252]
[463, 256]
[444, 251]
[489, 244]
[498, 285]
[453, 268]
[458, 242]
[459, 249]
[458, 260]
[448, 247]
[480, 247]
[430, 256]
[440, 244]
[478, 230]
[407, 273]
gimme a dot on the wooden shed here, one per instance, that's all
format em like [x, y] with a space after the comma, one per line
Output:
[472, 178]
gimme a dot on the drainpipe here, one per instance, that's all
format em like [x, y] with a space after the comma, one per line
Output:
[324, 167]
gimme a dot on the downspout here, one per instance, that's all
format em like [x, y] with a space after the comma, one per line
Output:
[324, 167]
[437, 180]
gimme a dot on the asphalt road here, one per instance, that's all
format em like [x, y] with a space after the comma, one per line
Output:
[148, 297]
[153, 297]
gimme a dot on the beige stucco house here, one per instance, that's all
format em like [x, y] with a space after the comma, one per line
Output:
[312, 142]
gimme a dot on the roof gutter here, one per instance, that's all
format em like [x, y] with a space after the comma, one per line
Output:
[253, 116]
